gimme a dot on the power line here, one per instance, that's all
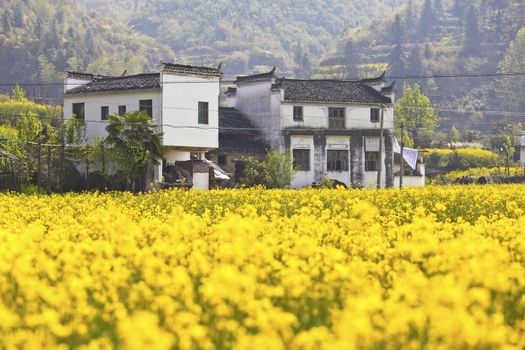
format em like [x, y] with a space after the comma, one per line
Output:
[355, 79]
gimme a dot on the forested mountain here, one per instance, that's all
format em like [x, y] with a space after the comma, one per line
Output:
[247, 35]
[40, 39]
[443, 37]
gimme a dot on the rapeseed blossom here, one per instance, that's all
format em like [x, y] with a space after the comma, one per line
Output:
[439, 268]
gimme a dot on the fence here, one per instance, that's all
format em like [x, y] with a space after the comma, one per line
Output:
[9, 172]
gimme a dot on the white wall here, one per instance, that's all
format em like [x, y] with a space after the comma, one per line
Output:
[180, 97]
[262, 107]
[410, 181]
[201, 181]
[522, 155]
[303, 178]
[95, 126]
[173, 156]
[316, 116]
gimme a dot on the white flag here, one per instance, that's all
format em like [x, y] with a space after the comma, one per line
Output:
[397, 148]
[409, 154]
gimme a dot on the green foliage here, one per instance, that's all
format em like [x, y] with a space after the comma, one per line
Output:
[461, 159]
[276, 171]
[512, 87]
[415, 112]
[40, 39]
[455, 135]
[10, 142]
[423, 37]
[18, 93]
[73, 130]
[267, 32]
[135, 144]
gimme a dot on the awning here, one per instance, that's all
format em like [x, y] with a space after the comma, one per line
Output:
[217, 171]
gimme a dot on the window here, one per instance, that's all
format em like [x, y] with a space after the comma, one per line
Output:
[337, 160]
[104, 113]
[146, 106]
[301, 159]
[297, 113]
[203, 112]
[121, 110]
[222, 158]
[78, 110]
[371, 161]
[336, 118]
[374, 115]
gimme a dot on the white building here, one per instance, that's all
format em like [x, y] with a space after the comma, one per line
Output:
[331, 127]
[183, 100]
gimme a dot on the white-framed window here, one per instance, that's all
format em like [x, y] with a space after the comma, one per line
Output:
[298, 114]
[301, 159]
[337, 160]
[336, 117]
[375, 114]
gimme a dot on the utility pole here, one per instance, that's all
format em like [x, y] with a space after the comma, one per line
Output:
[49, 168]
[380, 161]
[402, 161]
[39, 166]
[62, 161]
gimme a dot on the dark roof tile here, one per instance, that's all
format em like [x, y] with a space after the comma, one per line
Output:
[231, 119]
[83, 76]
[187, 69]
[330, 91]
[126, 83]
[389, 89]
[377, 80]
[238, 133]
[257, 77]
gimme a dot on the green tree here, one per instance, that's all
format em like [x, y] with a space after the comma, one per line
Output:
[415, 112]
[135, 144]
[427, 21]
[396, 59]
[350, 61]
[275, 172]
[454, 134]
[512, 87]
[18, 93]
[6, 22]
[506, 132]
[472, 40]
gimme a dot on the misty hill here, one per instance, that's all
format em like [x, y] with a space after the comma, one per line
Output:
[436, 37]
[248, 36]
[40, 39]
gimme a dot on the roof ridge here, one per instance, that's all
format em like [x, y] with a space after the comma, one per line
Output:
[127, 76]
[330, 80]
[256, 76]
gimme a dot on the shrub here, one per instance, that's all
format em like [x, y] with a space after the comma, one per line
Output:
[462, 159]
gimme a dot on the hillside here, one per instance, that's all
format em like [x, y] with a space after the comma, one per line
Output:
[426, 38]
[40, 39]
[246, 35]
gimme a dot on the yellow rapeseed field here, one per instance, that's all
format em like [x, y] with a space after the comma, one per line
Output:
[434, 268]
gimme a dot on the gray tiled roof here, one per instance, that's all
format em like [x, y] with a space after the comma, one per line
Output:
[126, 83]
[233, 120]
[257, 77]
[330, 91]
[83, 76]
[376, 80]
[238, 133]
[389, 89]
[186, 69]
